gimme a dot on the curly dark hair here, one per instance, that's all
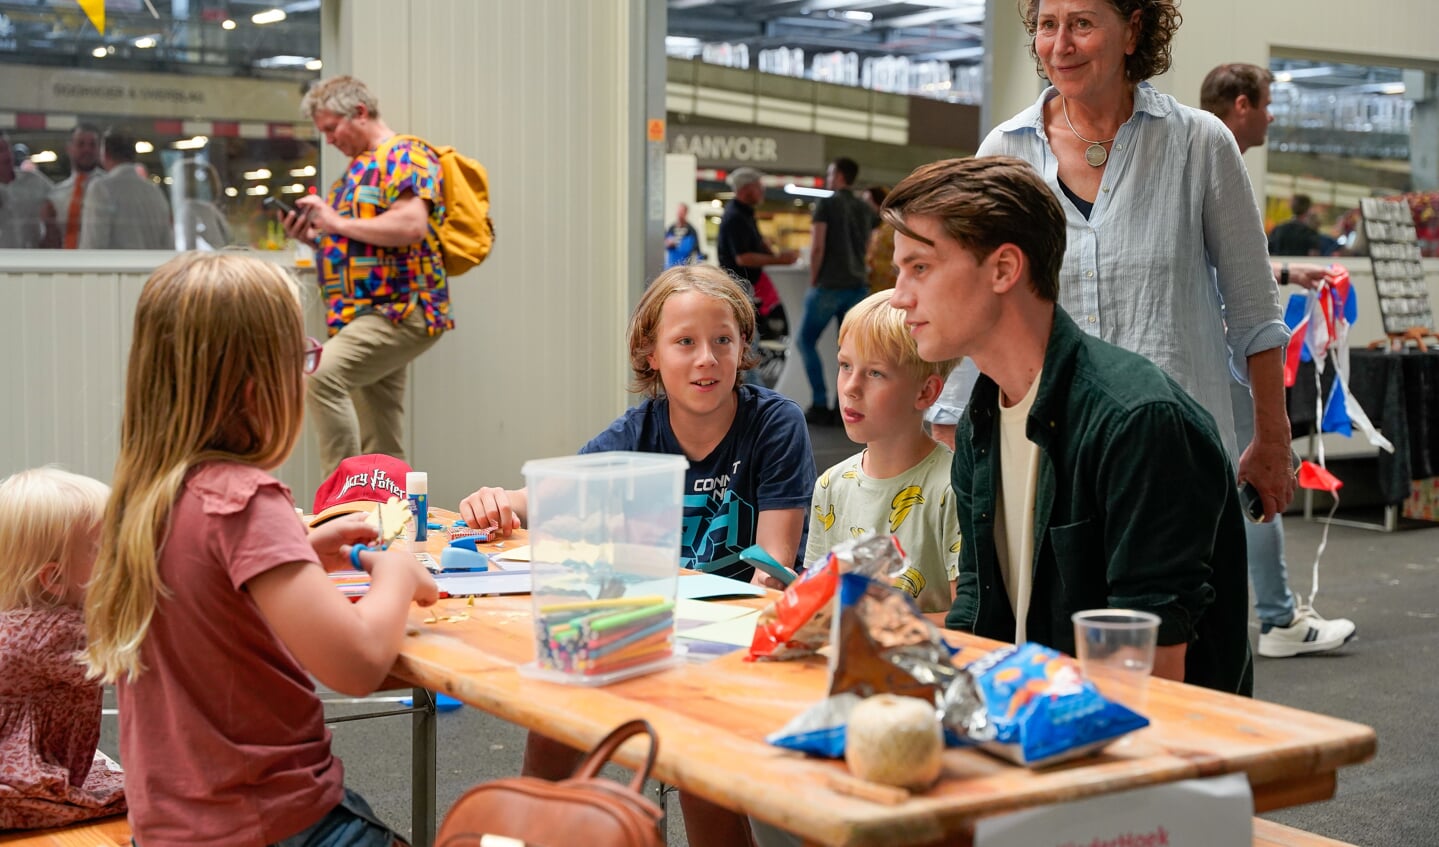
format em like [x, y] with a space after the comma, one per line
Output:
[1158, 21]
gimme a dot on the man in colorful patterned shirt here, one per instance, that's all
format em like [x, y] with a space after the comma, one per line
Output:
[381, 271]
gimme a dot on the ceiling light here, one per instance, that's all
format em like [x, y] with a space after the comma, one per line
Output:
[283, 61]
[99, 53]
[314, 65]
[262, 173]
[145, 43]
[44, 157]
[1284, 76]
[294, 188]
[227, 24]
[308, 170]
[273, 16]
[144, 147]
[194, 143]
[232, 191]
[865, 17]
[257, 190]
[802, 191]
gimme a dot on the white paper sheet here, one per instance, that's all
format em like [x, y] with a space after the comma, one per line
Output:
[1216, 812]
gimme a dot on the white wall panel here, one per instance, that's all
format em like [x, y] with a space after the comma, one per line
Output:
[67, 342]
[62, 386]
[541, 92]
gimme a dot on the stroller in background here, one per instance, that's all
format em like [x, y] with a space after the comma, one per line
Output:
[772, 327]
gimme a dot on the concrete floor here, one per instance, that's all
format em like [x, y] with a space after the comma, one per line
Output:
[1386, 678]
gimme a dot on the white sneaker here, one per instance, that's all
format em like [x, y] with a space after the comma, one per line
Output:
[1308, 633]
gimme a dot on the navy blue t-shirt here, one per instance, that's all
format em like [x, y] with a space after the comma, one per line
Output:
[764, 462]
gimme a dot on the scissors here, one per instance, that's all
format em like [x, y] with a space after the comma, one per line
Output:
[399, 514]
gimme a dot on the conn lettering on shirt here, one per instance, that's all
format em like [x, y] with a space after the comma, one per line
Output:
[380, 480]
[717, 485]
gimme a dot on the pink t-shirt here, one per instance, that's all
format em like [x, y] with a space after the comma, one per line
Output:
[222, 737]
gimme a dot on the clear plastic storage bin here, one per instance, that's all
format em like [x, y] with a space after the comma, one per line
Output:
[604, 557]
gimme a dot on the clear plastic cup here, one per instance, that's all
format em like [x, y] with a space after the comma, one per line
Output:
[1115, 649]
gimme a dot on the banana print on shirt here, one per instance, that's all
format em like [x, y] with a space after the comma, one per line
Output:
[900, 506]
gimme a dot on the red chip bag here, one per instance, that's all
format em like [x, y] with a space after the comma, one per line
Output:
[798, 623]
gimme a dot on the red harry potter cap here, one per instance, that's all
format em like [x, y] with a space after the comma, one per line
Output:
[360, 484]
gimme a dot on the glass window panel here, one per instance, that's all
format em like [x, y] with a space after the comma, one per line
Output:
[207, 93]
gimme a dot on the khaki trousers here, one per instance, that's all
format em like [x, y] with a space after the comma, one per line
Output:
[356, 397]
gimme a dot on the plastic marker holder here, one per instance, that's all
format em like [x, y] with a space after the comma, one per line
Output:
[417, 487]
[603, 636]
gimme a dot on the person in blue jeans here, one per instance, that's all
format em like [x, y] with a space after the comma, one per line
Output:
[1238, 94]
[837, 275]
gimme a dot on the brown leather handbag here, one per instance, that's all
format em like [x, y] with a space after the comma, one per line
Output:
[585, 807]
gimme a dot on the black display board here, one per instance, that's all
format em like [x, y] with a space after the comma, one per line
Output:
[1398, 271]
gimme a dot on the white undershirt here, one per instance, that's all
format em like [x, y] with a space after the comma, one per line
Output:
[1018, 478]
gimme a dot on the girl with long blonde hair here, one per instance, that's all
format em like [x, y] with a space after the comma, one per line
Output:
[210, 607]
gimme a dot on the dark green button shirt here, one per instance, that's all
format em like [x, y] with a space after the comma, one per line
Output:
[1136, 508]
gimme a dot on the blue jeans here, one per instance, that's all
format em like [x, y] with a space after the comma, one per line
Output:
[1273, 601]
[352, 823]
[822, 305]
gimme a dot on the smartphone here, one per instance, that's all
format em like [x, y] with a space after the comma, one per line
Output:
[276, 204]
[758, 558]
[1251, 503]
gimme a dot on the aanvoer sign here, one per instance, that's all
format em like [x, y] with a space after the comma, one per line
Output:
[731, 147]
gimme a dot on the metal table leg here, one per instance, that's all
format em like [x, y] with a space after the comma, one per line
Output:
[423, 742]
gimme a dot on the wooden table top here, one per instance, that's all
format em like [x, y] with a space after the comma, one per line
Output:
[712, 718]
[105, 832]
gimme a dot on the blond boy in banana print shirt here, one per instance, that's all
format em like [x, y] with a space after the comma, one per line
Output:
[899, 483]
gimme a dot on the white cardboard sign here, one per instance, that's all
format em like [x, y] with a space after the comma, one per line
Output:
[1214, 812]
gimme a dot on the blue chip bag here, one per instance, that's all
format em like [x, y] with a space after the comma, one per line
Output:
[1042, 709]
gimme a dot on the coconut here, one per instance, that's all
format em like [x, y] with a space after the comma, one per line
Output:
[894, 740]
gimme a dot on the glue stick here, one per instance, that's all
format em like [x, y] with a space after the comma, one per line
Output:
[417, 486]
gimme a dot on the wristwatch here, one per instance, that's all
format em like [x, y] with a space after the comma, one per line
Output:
[1284, 274]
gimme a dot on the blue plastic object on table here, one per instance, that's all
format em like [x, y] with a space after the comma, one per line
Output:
[463, 559]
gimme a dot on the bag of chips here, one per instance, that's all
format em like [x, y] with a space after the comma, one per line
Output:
[1027, 704]
[1042, 709]
[798, 623]
[884, 645]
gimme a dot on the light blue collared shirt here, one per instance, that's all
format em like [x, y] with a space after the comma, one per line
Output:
[1172, 262]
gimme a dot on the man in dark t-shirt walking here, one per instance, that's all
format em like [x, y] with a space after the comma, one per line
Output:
[837, 275]
[1295, 237]
[740, 248]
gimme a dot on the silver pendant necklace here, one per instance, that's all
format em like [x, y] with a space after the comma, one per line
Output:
[1094, 154]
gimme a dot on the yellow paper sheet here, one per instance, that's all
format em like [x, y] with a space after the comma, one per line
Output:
[699, 610]
[737, 631]
[514, 554]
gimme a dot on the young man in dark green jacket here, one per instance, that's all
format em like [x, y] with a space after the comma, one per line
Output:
[1084, 476]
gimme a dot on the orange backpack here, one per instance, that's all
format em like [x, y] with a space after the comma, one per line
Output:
[467, 233]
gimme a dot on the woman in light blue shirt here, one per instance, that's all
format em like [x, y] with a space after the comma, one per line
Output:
[1166, 252]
